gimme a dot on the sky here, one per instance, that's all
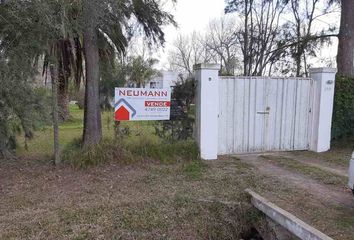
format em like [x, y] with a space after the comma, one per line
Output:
[190, 15]
[194, 15]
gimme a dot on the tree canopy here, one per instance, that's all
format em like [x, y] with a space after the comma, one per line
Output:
[62, 32]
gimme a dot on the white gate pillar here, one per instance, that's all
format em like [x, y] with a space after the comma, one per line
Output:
[207, 109]
[322, 108]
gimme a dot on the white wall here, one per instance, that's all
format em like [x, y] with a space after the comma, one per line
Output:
[166, 80]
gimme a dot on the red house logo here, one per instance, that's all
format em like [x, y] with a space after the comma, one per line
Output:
[124, 111]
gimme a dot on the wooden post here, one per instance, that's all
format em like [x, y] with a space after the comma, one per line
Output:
[54, 77]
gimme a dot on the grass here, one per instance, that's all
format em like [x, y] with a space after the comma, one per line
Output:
[121, 202]
[338, 155]
[185, 200]
[313, 172]
[194, 170]
[139, 145]
[174, 196]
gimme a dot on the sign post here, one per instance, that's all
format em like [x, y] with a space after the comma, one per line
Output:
[142, 104]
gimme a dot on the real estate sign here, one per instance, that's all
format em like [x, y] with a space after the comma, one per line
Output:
[137, 104]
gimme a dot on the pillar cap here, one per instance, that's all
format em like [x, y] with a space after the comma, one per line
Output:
[323, 70]
[211, 66]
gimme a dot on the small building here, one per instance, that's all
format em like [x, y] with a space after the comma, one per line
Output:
[166, 79]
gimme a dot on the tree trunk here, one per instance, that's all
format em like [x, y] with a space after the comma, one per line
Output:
[345, 61]
[63, 99]
[246, 54]
[54, 76]
[92, 114]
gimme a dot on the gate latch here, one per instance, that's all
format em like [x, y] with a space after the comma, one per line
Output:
[265, 112]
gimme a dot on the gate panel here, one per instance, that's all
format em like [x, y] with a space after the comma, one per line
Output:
[263, 114]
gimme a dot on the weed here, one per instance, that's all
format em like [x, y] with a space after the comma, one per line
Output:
[194, 169]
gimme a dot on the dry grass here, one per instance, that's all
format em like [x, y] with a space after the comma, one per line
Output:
[338, 156]
[132, 202]
[202, 200]
[146, 199]
[313, 172]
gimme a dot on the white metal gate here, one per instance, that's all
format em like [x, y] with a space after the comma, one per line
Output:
[259, 114]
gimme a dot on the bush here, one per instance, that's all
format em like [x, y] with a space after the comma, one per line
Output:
[23, 109]
[180, 125]
[343, 112]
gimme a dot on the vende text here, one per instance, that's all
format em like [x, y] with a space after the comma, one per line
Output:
[157, 103]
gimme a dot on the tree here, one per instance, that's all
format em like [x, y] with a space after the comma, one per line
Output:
[187, 51]
[92, 115]
[110, 19]
[300, 34]
[23, 107]
[221, 41]
[345, 57]
[104, 26]
[259, 36]
[25, 36]
[48, 23]
[141, 70]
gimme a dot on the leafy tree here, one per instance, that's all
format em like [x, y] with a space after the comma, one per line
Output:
[110, 19]
[22, 107]
[112, 75]
[140, 70]
[47, 26]
[24, 36]
[63, 31]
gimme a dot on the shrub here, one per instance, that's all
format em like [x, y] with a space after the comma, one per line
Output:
[343, 112]
[180, 125]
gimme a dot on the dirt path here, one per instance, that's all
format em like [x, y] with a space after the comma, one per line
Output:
[338, 195]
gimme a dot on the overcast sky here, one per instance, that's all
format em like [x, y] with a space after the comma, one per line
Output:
[194, 15]
[191, 15]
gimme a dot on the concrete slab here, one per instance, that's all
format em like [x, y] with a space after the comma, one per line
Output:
[293, 224]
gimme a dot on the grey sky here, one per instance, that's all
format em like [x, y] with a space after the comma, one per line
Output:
[194, 15]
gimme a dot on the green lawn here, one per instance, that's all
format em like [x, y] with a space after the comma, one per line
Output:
[42, 144]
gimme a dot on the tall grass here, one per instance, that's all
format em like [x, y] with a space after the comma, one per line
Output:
[113, 150]
[141, 145]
